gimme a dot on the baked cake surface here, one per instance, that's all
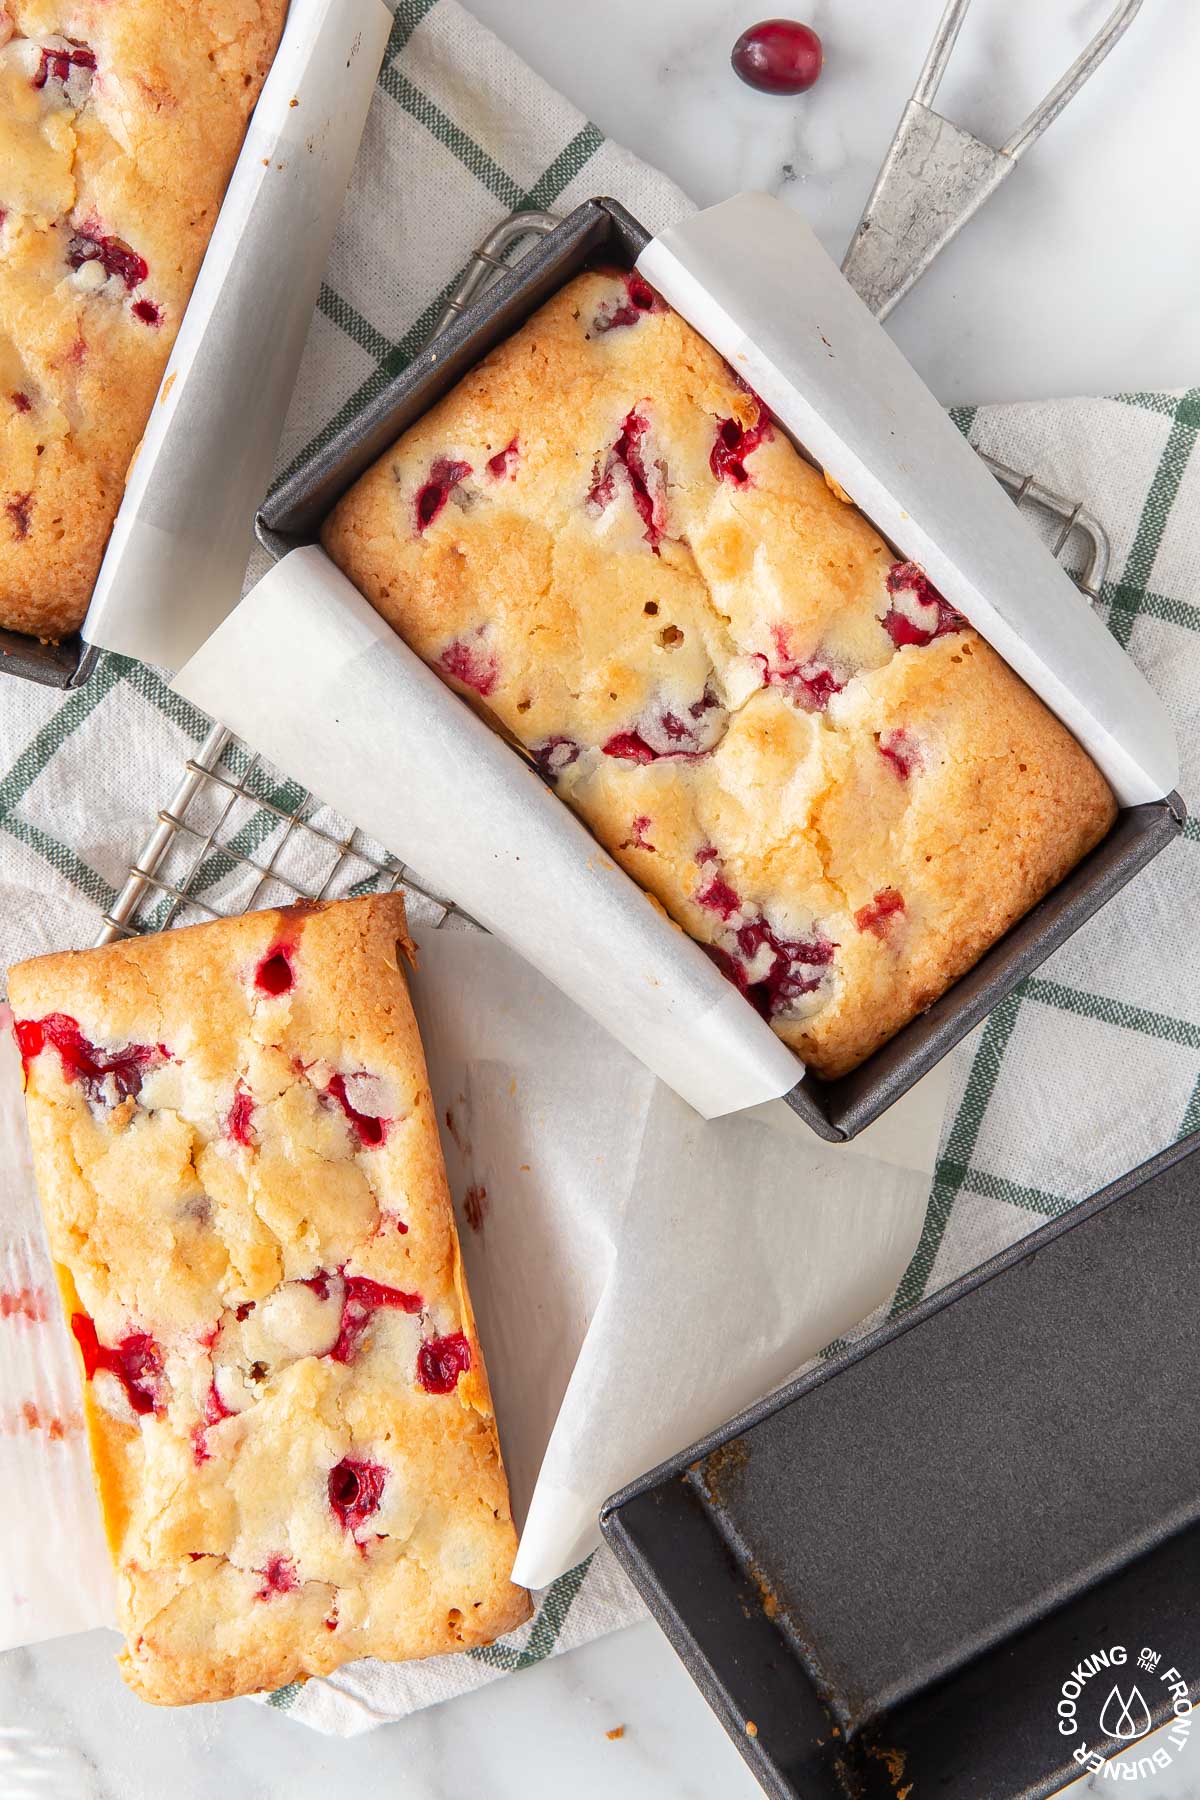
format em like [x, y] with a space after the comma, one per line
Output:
[243, 1187]
[786, 736]
[120, 122]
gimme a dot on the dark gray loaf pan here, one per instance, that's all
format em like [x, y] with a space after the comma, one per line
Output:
[892, 1567]
[602, 231]
[64, 665]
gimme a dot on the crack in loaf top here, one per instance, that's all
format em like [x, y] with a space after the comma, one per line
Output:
[118, 134]
[603, 541]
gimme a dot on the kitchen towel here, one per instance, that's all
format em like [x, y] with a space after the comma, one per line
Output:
[1091, 1066]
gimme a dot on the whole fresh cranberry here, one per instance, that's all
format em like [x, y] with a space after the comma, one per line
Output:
[779, 56]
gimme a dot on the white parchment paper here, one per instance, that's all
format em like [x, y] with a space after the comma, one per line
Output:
[307, 672]
[638, 1273]
[177, 555]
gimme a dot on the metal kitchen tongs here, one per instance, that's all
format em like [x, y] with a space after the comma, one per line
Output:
[936, 175]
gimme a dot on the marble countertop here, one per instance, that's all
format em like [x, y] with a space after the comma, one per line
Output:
[70, 1730]
[1078, 277]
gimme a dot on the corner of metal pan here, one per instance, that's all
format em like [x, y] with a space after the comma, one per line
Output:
[275, 543]
[1139, 834]
[805, 1103]
[294, 507]
[49, 665]
[89, 657]
[632, 233]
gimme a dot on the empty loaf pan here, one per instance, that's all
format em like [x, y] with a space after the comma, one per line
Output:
[602, 231]
[893, 1566]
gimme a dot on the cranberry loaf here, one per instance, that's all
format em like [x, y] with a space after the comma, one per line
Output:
[243, 1187]
[785, 735]
[120, 122]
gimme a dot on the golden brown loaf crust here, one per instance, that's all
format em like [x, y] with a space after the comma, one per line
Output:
[786, 736]
[244, 1191]
[120, 122]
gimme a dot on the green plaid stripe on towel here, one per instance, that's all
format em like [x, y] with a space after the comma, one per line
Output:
[1092, 1066]
[1094, 1063]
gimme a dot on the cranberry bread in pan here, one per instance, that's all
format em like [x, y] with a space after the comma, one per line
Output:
[782, 733]
[242, 1182]
[120, 122]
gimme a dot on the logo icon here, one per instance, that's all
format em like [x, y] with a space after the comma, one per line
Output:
[1125, 1719]
[1116, 1727]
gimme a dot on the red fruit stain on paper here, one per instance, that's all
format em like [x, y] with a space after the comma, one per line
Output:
[24, 1303]
[32, 1418]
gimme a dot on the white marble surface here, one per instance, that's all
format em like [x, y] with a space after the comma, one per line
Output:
[69, 1730]
[1080, 276]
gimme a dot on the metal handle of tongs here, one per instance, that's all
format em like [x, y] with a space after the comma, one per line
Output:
[936, 175]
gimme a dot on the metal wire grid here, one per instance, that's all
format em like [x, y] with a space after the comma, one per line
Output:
[225, 841]
[235, 836]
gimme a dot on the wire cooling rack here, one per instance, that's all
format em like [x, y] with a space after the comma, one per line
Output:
[236, 834]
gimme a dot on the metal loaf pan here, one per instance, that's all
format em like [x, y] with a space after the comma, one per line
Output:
[891, 1567]
[602, 231]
